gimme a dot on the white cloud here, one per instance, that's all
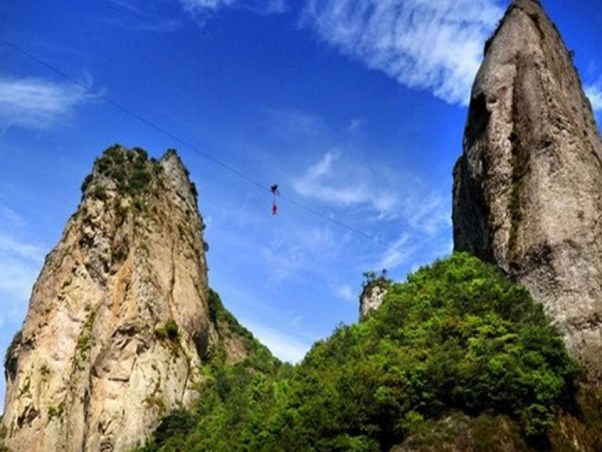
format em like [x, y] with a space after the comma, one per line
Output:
[276, 6]
[10, 217]
[594, 92]
[16, 280]
[140, 15]
[346, 293]
[203, 7]
[11, 246]
[378, 199]
[321, 242]
[347, 184]
[354, 125]
[428, 212]
[295, 124]
[20, 263]
[344, 183]
[291, 255]
[398, 253]
[284, 346]
[37, 103]
[285, 261]
[424, 44]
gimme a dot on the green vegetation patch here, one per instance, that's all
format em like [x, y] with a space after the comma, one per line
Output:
[84, 341]
[372, 279]
[56, 411]
[169, 331]
[258, 356]
[457, 337]
[131, 170]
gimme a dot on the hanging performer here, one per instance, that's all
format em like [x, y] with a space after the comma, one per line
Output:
[275, 192]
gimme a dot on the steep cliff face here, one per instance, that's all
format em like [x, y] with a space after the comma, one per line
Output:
[528, 188]
[119, 320]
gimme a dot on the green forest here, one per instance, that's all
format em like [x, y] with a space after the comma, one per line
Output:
[456, 339]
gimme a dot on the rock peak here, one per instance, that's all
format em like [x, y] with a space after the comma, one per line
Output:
[180, 177]
[171, 159]
[375, 289]
[527, 187]
[520, 3]
[120, 318]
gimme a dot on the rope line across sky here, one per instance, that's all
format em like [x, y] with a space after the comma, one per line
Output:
[193, 148]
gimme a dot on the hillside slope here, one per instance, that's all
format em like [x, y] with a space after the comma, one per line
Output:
[458, 356]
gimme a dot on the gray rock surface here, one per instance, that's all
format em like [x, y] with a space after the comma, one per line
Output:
[528, 187]
[371, 299]
[98, 361]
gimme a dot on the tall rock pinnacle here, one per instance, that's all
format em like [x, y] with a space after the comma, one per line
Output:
[119, 319]
[528, 187]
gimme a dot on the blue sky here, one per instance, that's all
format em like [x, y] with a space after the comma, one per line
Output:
[355, 107]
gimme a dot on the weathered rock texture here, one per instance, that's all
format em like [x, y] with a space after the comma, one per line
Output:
[119, 319]
[456, 432]
[372, 298]
[528, 188]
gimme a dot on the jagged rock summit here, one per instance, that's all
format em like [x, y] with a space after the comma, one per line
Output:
[528, 187]
[375, 289]
[120, 318]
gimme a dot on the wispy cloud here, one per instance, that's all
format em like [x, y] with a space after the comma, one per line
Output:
[12, 246]
[202, 8]
[284, 346]
[347, 184]
[16, 280]
[355, 124]
[291, 123]
[205, 5]
[321, 241]
[38, 103]
[276, 6]
[292, 254]
[426, 215]
[144, 15]
[285, 260]
[10, 217]
[427, 212]
[346, 293]
[594, 93]
[430, 45]
[375, 199]
[20, 262]
[398, 253]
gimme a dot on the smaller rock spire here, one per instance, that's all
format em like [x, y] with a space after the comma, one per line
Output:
[179, 178]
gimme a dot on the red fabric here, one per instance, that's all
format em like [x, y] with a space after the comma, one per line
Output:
[274, 209]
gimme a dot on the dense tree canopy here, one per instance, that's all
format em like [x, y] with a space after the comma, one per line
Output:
[457, 336]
